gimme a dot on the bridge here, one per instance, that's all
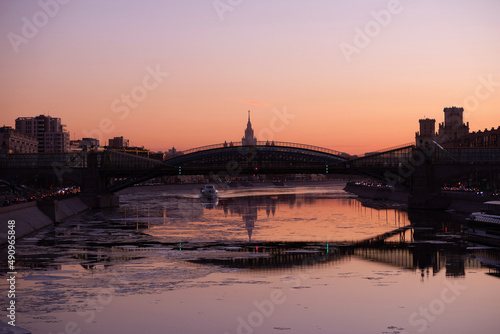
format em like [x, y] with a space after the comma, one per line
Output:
[101, 173]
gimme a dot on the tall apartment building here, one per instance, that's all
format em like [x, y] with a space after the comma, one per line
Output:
[118, 142]
[50, 133]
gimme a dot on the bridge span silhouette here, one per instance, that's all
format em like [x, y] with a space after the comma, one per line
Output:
[422, 170]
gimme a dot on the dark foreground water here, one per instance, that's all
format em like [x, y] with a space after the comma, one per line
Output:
[259, 260]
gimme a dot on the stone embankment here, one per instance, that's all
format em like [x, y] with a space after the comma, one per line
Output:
[377, 192]
[34, 216]
[465, 202]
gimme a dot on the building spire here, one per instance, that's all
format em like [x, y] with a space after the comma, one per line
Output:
[249, 139]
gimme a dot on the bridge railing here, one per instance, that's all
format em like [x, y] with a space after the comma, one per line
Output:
[41, 160]
[106, 160]
[393, 148]
[391, 158]
[120, 160]
[267, 143]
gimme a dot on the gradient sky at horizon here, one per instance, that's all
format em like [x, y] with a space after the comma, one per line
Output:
[263, 56]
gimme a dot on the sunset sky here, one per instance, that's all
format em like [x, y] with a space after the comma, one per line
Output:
[354, 75]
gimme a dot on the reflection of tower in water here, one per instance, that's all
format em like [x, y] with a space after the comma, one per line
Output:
[250, 216]
[248, 207]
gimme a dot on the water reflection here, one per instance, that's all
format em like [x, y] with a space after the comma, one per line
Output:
[273, 231]
[369, 255]
[428, 259]
[299, 217]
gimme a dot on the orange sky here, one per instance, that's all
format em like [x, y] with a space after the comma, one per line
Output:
[268, 57]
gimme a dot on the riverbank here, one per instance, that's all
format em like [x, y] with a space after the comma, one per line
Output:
[383, 193]
[463, 202]
[34, 216]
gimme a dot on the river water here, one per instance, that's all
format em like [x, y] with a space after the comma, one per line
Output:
[302, 259]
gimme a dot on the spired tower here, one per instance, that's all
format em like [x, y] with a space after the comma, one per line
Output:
[249, 139]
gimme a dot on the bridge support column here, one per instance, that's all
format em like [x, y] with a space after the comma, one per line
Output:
[425, 191]
[93, 186]
[100, 200]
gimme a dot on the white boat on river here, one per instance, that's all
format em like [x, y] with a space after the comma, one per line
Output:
[484, 226]
[209, 192]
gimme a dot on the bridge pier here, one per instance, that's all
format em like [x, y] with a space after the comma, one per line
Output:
[93, 189]
[100, 200]
[425, 192]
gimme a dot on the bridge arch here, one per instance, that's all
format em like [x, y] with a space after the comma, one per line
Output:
[264, 157]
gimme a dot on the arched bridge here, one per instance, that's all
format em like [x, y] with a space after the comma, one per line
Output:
[264, 157]
[110, 171]
[225, 160]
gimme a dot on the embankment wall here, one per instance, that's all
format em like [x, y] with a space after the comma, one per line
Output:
[32, 216]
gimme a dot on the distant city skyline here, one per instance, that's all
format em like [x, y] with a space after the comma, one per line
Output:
[351, 76]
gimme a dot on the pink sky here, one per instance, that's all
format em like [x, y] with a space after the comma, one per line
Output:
[269, 57]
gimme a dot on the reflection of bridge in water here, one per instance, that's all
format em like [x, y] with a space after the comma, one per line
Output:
[417, 246]
[429, 259]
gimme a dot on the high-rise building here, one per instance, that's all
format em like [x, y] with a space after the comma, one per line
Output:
[249, 139]
[13, 141]
[50, 133]
[118, 142]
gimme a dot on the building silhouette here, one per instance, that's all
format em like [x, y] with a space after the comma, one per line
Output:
[84, 144]
[486, 138]
[49, 131]
[453, 132]
[427, 132]
[250, 216]
[453, 128]
[13, 141]
[118, 142]
[249, 138]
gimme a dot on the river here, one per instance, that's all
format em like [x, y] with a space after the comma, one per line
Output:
[301, 259]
